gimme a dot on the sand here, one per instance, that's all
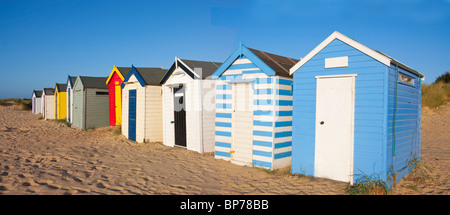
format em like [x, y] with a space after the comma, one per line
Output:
[48, 157]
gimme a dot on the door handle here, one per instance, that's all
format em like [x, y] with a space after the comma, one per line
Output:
[322, 122]
[171, 122]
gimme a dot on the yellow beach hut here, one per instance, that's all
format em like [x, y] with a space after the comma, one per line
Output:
[60, 101]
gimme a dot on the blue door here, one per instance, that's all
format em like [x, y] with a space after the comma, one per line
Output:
[132, 115]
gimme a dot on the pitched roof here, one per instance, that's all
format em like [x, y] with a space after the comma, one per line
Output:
[379, 56]
[270, 64]
[38, 93]
[49, 91]
[279, 64]
[208, 68]
[72, 80]
[94, 82]
[124, 70]
[151, 76]
[146, 75]
[61, 87]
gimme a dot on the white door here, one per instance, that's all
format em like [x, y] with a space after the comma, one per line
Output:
[334, 128]
[242, 124]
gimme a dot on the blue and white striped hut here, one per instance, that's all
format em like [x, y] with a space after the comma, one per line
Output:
[356, 113]
[254, 109]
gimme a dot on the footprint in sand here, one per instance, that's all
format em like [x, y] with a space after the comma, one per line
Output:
[24, 175]
[102, 185]
[4, 187]
[54, 186]
[78, 179]
[28, 183]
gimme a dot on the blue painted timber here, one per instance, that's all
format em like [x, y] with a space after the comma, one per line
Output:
[386, 118]
[132, 115]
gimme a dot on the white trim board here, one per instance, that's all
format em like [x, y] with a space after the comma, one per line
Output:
[336, 76]
[189, 68]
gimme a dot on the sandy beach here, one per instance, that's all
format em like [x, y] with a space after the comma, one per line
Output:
[48, 157]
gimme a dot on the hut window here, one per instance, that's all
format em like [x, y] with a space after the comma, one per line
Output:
[101, 93]
[405, 78]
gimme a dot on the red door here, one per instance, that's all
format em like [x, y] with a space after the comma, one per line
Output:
[112, 100]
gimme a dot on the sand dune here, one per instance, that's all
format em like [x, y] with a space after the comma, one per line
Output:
[47, 157]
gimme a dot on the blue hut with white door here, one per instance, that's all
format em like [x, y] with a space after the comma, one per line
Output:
[356, 112]
[253, 122]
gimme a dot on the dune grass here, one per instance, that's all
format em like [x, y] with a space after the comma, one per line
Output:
[25, 104]
[438, 93]
[368, 185]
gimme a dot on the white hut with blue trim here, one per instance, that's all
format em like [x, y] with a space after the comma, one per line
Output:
[70, 83]
[142, 104]
[356, 113]
[254, 109]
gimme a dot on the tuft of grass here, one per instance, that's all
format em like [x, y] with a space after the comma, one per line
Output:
[367, 185]
[420, 173]
[285, 171]
[64, 121]
[117, 130]
[268, 171]
[60, 120]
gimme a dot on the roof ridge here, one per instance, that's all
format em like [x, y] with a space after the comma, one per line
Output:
[278, 64]
[292, 60]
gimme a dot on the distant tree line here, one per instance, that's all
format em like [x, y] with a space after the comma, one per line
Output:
[444, 78]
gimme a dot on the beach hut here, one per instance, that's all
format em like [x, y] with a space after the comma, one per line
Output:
[90, 103]
[142, 104]
[356, 113]
[36, 100]
[114, 83]
[48, 103]
[69, 90]
[188, 105]
[254, 109]
[60, 101]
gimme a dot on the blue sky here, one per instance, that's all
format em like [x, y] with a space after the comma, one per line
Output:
[43, 41]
